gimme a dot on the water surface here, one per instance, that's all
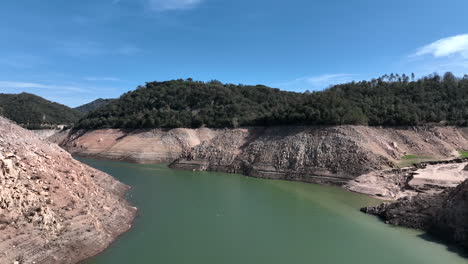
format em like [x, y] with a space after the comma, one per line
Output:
[217, 218]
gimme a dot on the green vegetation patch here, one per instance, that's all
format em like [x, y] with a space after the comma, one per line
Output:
[34, 112]
[412, 159]
[391, 100]
[463, 153]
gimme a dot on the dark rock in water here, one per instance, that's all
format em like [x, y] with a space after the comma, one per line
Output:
[444, 215]
[414, 212]
[452, 218]
[466, 168]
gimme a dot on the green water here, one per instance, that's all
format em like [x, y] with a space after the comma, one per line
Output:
[216, 218]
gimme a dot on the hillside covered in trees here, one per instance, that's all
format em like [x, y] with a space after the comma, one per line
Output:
[32, 111]
[93, 105]
[392, 100]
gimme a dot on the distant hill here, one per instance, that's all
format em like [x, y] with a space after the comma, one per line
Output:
[32, 111]
[93, 105]
[390, 100]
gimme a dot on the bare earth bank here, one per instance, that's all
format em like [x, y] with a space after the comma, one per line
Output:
[54, 209]
[334, 155]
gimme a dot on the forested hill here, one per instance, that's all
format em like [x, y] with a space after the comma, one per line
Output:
[389, 100]
[93, 105]
[32, 111]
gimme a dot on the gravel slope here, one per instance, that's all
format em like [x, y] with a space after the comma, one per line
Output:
[54, 209]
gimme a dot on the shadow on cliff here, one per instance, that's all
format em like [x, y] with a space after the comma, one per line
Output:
[455, 248]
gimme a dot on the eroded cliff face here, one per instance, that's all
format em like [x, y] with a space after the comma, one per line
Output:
[311, 154]
[444, 215]
[140, 146]
[54, 209]
[292, 153]
[318, 154]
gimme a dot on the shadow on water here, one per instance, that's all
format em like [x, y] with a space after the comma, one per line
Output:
[455, 248]
[449, 246]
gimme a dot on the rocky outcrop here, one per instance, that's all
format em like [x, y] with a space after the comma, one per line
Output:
[427, 177]
[451, 220]
[54, 209]
[318, 154]
[311, 154]
[444, 215]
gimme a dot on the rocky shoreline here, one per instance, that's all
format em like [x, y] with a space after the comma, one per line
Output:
[54, 209]
[432, 177]
[361, 159]
[445, 215]
[331, 155]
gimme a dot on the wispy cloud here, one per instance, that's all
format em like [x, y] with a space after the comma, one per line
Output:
[328, 79]
[111, 79]
[80, 48]
[443, 55]
[455, 45]
[87, 48]
[68, 94]
[317, 82]
[164, 5]
[32, 85]
[21, 61]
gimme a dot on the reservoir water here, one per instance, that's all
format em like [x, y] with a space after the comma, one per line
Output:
[217, 218]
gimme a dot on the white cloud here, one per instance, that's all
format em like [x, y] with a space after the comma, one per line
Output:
[328, 79]
[7, 84]
[31, 85]
[69, 94]
[444, 55]
[93, 79]
[455, 45]
[318, 82]
[164, 5]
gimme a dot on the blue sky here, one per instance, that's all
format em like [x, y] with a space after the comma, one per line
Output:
[76, 51]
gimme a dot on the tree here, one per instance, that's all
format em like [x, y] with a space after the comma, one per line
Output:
[381, 101]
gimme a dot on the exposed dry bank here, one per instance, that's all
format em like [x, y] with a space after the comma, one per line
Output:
[54, 209]
[444, 215]
[363, 159]
[311, 154]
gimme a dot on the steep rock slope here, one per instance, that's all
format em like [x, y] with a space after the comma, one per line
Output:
[320, 154]
[445, 214]
[312, 154]
[54, 209]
